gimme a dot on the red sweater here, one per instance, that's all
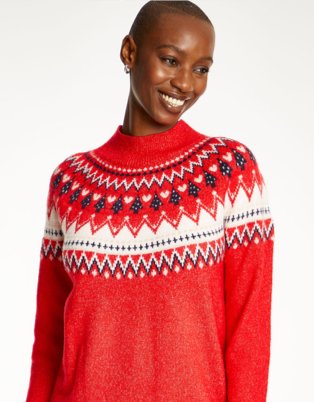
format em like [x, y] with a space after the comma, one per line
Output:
[155, 277]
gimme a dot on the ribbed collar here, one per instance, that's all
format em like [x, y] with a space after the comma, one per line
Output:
[153, 149]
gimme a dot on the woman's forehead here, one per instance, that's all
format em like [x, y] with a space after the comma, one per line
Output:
[177, 21]
[181, 31]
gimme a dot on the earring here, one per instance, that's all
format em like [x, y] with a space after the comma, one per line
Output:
[126, 69]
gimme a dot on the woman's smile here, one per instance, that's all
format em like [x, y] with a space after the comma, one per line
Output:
[172, 103]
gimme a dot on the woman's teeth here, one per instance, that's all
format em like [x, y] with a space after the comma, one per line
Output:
[172, 101]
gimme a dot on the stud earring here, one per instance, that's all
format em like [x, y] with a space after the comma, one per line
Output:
[126, 69]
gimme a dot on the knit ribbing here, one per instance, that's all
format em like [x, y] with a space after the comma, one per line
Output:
[150, 150]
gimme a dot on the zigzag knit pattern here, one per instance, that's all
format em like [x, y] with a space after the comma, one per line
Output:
[157, 253]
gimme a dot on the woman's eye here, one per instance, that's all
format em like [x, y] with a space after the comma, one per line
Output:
[169, 60]
[202, 70]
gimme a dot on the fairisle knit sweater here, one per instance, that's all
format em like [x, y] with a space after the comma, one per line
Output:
[155, 277]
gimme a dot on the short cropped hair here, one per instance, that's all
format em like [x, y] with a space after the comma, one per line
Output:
[152, 10]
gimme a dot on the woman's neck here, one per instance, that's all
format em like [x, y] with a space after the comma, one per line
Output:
[137, 123]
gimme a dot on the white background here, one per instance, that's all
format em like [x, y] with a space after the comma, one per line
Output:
[63, 90]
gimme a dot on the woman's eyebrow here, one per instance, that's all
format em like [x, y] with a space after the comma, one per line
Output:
[177, 49]
[173, 47]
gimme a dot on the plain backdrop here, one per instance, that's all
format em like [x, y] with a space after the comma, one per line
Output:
[63, 90]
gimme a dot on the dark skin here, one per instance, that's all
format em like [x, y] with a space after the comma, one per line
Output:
[179, 71]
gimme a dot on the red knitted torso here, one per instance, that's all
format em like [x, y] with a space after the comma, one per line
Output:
[156, 273]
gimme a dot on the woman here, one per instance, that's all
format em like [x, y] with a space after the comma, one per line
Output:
[156, 262]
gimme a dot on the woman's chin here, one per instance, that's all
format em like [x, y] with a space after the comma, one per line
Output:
[166, 119]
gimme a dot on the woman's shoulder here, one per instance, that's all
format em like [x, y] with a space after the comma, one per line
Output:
[233, 158]
[229, 143]
[222, 142]
[63, 169]
[68, 160]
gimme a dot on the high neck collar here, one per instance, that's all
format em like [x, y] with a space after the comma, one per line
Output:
[153, 149]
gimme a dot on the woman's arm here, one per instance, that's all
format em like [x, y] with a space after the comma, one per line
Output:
[249, 235]
[53, 287]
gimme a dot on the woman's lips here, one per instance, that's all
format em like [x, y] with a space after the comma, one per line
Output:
[172, 104]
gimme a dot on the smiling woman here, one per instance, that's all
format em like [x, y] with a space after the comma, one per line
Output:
[155, 279]
[169, 66]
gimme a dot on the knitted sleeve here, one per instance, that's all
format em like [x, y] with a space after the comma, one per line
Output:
[53, 287]
[249, 235]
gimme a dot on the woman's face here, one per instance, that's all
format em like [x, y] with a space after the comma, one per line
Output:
[170, 68]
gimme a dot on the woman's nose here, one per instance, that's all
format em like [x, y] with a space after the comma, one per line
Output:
[183, 80]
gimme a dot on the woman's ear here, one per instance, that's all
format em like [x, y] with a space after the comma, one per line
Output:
[128, 51]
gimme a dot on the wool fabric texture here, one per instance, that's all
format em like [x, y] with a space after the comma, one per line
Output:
[155, 276]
